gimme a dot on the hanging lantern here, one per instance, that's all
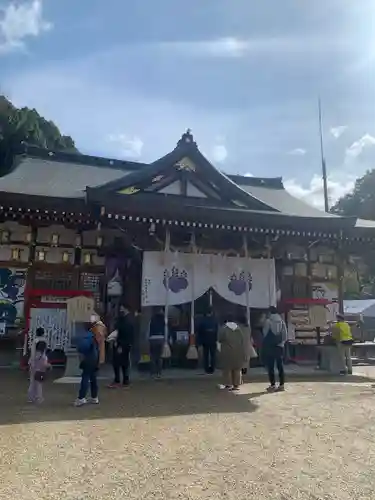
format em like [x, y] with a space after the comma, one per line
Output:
[16, 254]
[55, 239]
[78, 241]
[5, 236]
[87, 258]
[65, 257]
[41, 256]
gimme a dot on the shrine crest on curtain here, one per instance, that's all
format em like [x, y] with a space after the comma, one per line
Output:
[230, 277]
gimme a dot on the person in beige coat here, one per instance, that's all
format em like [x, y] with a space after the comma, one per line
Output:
[234, 352]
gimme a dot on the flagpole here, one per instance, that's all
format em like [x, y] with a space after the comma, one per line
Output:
[324, 166]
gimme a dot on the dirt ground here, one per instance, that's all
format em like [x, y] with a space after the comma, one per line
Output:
[188, 440]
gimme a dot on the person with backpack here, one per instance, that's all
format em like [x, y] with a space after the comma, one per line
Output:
[89, 352]
[38, 366]
[274, 338]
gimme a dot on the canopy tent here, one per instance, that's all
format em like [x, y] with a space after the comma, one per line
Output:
[365, 308]
[364, 311]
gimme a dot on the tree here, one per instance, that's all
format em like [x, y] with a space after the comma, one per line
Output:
[361, 201]
[20, 126]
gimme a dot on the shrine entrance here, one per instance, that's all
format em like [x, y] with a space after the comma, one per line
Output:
[186, 284]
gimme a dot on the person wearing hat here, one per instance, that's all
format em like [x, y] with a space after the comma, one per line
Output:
[342, 334]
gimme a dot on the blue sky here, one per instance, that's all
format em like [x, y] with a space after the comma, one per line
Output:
[125, 78]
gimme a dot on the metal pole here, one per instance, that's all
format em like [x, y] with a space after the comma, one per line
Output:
[324, 166]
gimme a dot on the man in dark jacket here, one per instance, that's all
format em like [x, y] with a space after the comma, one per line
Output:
[122, 347]
[207, 338]
[157, 341]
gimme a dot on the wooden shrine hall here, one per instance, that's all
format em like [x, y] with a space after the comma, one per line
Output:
[174, 232]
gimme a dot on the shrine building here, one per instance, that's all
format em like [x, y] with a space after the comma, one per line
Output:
[176, 232]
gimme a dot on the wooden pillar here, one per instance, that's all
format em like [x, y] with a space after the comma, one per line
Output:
[77, 259]
[309, 275]
[30, 279]
[31, 260]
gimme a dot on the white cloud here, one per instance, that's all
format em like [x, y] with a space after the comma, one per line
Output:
[20, 21]
[219, 153]
[297, 152]
[358, 147]
[312, 193]
[338, 131]
[128, 147]
[249, 174]
[237, 47]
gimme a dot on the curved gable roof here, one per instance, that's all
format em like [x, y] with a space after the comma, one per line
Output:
[205, 172]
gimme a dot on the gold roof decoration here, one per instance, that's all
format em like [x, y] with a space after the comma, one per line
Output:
[185, 164]
[158, 178]
[129, 190]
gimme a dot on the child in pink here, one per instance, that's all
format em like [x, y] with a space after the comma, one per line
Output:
[38, 363]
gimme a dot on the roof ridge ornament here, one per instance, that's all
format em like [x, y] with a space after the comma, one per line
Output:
[187, 139]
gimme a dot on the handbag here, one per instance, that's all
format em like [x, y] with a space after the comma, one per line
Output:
[39, 376]
[252, 352]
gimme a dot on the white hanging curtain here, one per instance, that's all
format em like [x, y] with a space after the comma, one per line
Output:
[228, 279]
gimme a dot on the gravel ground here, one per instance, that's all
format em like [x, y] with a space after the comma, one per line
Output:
[188, 440]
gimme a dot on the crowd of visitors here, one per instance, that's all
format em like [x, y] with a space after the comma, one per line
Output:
[229, 344]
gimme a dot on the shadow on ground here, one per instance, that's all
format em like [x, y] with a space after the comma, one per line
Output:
[142, 400]
[145, 399]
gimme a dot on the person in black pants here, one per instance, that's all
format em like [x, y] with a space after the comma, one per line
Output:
[275, 357]
[157, 341]
[122, 347]
[275, 335]
[207, 338]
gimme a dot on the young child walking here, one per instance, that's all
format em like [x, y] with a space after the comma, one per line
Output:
[40, 335]
[38, 366]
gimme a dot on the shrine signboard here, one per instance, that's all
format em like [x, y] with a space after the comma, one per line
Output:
[80, 309]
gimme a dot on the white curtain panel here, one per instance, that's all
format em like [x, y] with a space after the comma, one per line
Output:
[228, 276]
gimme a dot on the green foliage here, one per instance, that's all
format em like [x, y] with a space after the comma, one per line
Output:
[25, 126]
[361, 201]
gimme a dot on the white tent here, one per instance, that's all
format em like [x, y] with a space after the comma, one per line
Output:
[365, 308]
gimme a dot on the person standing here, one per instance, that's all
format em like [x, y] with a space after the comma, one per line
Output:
[342, 334]
[234, 352]
[38, 367]
[274, 338]
[89, 352]
[156, 342]
[40, 336]
[207, 338]
[122, 347]
[243, 323]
